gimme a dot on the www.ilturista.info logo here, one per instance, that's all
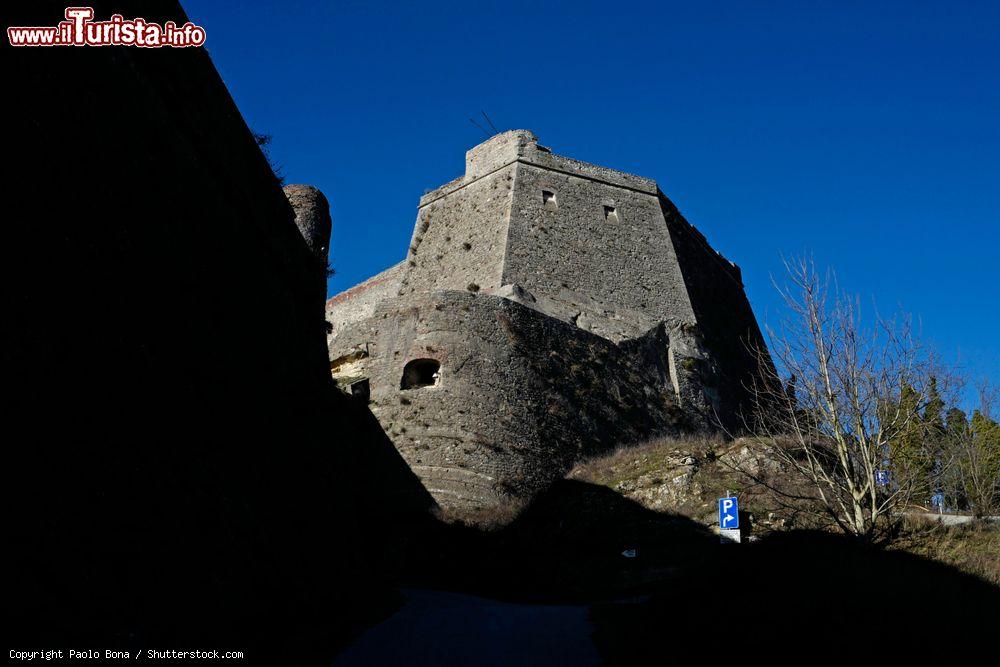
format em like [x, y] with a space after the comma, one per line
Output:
[79, 29]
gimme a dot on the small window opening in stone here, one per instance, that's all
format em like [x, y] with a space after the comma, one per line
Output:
[610, 214]
[361, 390]
[549, 198]
[420, 373]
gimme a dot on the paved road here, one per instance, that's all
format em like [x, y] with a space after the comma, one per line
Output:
[437, 628]
[955, 519]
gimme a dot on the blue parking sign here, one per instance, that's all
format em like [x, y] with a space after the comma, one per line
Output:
[729, 513]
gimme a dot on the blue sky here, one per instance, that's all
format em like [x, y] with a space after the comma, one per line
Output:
[865, 133]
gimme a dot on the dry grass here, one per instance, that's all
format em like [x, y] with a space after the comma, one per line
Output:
[484, 518]
[636, 471]
[631, 462]
[973, 548]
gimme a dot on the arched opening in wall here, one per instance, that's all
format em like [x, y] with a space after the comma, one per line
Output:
[420, 373]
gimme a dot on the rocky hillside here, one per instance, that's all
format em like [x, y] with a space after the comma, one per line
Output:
[687, 476]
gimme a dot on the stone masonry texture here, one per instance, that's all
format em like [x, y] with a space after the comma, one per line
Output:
[567, 308]
[312, 217]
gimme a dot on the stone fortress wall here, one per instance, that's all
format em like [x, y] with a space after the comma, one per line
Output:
[518, 399]
[460, 237]
[359, 302]
[725, 321]
[196, 478]
[547, 310]
[593, 245]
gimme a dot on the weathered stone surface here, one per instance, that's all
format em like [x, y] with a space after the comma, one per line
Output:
[520, 396]
[558, 299]
[312, 217]
[359, 302]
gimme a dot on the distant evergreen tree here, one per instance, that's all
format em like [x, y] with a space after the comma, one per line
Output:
[934, 408]
[982, 465]
[954, 446]
[986, 429]
[909, 454]
[934, 434]
[956, 422]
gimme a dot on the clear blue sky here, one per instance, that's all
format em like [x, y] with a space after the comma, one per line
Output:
[866, 133]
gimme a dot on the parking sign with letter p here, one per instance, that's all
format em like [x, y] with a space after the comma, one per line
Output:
[729, 513]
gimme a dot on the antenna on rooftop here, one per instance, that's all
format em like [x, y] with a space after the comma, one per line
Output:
[481, 128]
[495, 130]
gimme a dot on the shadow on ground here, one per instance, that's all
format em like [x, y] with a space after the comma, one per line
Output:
[566, 546]
[684, 589]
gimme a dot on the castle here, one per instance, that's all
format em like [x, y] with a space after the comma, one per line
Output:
[547, 310]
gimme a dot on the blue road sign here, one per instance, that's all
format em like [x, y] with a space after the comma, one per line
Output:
[882, 477]
[729, 513]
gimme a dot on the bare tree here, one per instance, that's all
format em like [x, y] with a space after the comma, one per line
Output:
[845, 429]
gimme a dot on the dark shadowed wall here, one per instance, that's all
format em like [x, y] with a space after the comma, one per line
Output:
[177, 458]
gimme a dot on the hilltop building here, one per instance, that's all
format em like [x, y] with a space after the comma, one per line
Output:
[547, 310]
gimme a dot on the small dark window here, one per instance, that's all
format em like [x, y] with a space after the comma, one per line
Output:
[361, 390]
[548, 199]
[610, 214]
[420, 373]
